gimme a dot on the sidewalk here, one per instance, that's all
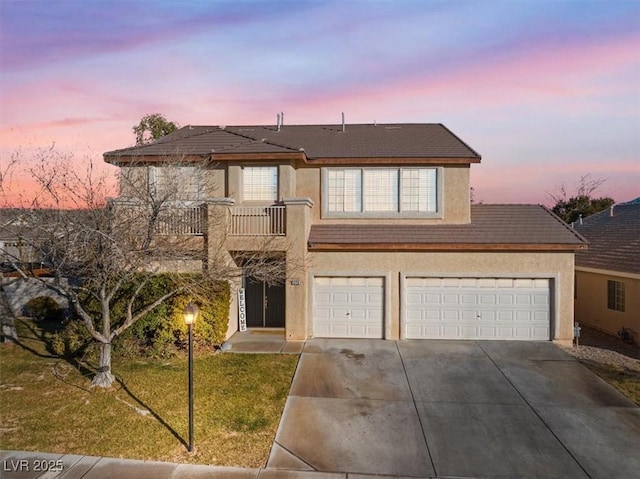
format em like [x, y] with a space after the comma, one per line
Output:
[32, 465]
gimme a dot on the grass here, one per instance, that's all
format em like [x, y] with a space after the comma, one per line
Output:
[47, 405]
[624, 380]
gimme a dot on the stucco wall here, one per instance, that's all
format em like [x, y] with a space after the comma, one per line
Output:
[556, 266]
[591, 303]
[20, 292]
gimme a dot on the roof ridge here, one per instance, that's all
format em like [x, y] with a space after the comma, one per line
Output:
[563, 223]
[167, 138]
[261, 140]
[460, 140]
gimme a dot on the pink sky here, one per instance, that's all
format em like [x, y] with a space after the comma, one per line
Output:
[545, 91]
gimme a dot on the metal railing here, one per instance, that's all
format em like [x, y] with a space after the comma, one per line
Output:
[258, 221]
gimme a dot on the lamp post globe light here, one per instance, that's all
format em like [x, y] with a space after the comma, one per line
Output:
[190, 314]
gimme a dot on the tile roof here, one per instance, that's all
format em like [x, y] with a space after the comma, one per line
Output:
[614, 241]
[495, 227]
[413, 140]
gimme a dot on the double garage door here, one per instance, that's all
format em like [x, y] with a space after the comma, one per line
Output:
[445, 308]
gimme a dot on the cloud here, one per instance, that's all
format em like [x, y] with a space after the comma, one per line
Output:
[53, 32]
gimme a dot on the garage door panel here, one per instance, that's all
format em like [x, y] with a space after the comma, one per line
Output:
[469, 299]
[483, 308]
[432, 299]
[348, 307]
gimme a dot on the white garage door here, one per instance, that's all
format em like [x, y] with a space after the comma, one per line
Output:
[348, 307]
[477, 308]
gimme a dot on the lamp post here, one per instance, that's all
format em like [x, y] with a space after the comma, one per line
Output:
[190, 314]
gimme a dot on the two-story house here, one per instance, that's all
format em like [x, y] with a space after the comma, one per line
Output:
[377, 230]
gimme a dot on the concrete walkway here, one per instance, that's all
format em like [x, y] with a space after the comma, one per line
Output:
[262, 341]
[454, 409]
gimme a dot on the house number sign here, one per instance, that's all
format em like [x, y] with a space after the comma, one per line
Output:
[242, 310]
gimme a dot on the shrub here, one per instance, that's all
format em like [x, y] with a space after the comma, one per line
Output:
[44, 308]
[71, 340]
[162, 332]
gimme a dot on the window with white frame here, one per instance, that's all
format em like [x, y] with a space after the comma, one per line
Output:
[381, 190]
[260, 183]
[344, 188]
[176, 183]
[615, 295]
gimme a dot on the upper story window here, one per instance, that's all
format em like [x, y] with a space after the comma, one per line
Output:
[615, 295]
[260, 183]
[380, 191]
[177, 183]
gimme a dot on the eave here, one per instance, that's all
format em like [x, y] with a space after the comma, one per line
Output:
[128, 159]
[392, 161]
[607, 272]
[457, 247]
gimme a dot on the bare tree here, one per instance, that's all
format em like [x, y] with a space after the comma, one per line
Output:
[159, 223]
[571, 206]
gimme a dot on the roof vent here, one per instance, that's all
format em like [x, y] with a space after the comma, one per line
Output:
[342, 122]
[278, 121]
[611, 210]
[580, 219]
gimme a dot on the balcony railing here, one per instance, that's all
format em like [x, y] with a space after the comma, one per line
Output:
[182, 221]
[257, 221]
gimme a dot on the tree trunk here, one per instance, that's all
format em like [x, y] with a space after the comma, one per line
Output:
[8, 332]
[104, 378]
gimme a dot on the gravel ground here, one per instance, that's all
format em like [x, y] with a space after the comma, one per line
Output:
[606, 349]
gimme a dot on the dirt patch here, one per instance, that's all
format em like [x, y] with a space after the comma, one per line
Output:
[604, 348]
[614, 360]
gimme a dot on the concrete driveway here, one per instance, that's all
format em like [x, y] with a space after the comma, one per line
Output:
[454, 408]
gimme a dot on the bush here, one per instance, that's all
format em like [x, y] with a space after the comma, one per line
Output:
[162, 332]
[71, 340]
[44, 308]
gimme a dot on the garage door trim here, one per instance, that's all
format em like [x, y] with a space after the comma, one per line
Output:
[553, 296]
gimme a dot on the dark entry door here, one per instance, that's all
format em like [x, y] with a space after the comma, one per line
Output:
[265, 304]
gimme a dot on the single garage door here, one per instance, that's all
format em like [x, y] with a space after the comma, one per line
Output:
[477, 308]
[348, 307]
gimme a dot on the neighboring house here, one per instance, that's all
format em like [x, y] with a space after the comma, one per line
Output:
[380, 218]
[16, 237]
[608, 274]
[20, 236]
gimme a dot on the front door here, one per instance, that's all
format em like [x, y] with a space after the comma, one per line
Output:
[265, 304]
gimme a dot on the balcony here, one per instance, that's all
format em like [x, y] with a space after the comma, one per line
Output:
[257, 221]
[182, 221]
[172, 220]
[191, 220]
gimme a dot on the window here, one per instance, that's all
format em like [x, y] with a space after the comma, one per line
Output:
[615, 295]
[176, 183]
[260, 183]
[378, 191]
[381, 190]
[344, 190]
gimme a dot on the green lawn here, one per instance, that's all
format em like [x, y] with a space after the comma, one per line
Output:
[47, 405]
